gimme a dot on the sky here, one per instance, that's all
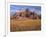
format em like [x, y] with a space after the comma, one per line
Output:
[13, 8]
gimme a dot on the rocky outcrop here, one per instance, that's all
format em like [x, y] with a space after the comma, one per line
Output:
[26, 14]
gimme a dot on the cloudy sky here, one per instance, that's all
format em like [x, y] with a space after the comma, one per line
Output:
[13, 8]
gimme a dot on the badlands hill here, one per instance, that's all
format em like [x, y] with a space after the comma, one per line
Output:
[26, 14]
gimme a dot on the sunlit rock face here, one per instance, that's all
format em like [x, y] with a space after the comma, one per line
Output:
[21, 14]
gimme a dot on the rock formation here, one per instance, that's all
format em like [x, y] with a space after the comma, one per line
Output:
[26, 14]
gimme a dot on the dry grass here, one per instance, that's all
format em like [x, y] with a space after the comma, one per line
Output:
[25, 25]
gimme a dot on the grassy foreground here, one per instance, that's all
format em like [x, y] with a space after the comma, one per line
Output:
[25, 25]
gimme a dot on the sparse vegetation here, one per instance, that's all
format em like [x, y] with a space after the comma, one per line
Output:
[25, 25]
